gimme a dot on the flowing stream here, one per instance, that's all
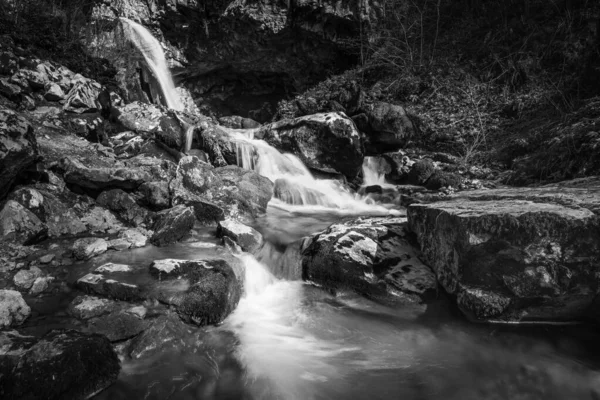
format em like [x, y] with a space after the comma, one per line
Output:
[291, 340]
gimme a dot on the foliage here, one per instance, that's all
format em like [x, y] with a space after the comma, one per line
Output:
[54, 29]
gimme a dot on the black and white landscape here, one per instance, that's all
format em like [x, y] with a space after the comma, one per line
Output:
[303, 200]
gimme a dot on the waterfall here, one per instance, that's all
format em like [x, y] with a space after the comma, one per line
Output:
[152, 51]
[372, 175]
[294, 184]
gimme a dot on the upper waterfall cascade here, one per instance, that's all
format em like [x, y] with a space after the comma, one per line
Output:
[295, 186]
[153, 53]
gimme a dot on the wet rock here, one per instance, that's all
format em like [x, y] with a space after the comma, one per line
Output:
[40, 285]
[86, 307]
[18, 148]
[327, 142]
[237, 122]
[511, 260]
[134, 237]
[139, 117]
[214, 289]
[103, 286]
[173, 224]
[19, 225]
[164, 332]
[63, 365]
[156, 194]
[246, 237]
[54, 92]
[117, 326]
[388, 127]
[100, 220]
[47, 259]
[217, 193]
[109, 268]
[215, 141]
[24, 279]
[86, 248]
[118, 244]
[9, 90]
[103, 178]
[13, 309]
[83, 97]
[123, 205]
[421, 171]
[373, 257]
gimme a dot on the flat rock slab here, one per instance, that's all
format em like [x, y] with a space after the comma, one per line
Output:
[373, 257]
[512, 260]
[104, 286]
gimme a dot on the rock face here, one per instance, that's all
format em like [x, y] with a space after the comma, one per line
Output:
[327, 142]
[373, 257]
[173, 224]
[509, 259]
[62, 365]
[18, 148]
[13, 309]
[214, 289]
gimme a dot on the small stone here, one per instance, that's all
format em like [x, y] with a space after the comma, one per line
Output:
[24, 279]
[118, 244]
[40, 285]
[135, 237]
[110, 268]
[85, 307]
[248, 238]
[47, 259]
[84, 249]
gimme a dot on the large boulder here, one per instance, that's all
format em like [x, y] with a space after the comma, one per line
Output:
[373, 257]
[18, 148]
[327, 142]
[19, 225]
[387, 127]
[217, 193]
[173, 224]
[514, 254]
[214, 288]
[63, 364]
[13, 309]
[102, 178]
[123, 205]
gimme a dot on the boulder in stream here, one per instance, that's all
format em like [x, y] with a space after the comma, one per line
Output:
[373, 257]
[213, 293]
[173, 224]
[13, 309]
